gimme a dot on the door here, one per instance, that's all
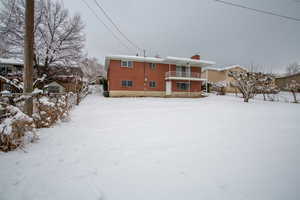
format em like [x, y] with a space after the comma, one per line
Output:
[168, 87]
[183, 71]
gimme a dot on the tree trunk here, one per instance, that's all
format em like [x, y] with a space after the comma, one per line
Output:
[295, 97]
[246, 98]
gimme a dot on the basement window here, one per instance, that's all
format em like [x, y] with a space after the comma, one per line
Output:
[126, 83]
[152, 66]
[182, 86]
[152, 84]
[128, 64]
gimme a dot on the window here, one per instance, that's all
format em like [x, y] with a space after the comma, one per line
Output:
[128, 64]
[152, 84]
[53, 89]
[152, 66]
[5, 69]
[182, 85]
[127, 83]
[183, 71]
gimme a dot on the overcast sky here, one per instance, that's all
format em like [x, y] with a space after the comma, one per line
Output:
[218, 32]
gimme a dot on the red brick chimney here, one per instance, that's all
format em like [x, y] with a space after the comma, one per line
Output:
[196, 57]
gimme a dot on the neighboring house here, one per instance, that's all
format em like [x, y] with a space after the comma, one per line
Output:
[54, 87]
[156, 77]
[71, 78]
[220, 75]
[10, 69]
[282, 81]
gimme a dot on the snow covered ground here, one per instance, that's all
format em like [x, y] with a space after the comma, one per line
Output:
[166, 149]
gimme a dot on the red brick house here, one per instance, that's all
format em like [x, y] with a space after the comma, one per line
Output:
[156, 77]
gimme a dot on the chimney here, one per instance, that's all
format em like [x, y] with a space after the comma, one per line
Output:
[196, 57]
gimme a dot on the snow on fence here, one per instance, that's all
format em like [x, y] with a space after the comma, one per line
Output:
[17, 129]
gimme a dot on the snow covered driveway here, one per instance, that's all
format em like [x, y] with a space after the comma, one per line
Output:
[165, 149]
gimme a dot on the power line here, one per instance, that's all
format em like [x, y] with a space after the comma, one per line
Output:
[106, 26]
[115, 25]
[259, 10]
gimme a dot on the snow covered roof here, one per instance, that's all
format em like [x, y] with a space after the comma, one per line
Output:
[286, 75]
[193, 62]
[135, 58]
[11, 61]
[167, 60]
[223, 68]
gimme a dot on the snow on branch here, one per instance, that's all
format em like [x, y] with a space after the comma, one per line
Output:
[14, 83]
[293, 87]
[251, 83]
[59, 37]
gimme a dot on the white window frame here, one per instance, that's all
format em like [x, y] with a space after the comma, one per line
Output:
[127, 63]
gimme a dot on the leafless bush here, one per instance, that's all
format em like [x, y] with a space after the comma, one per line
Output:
[293, 87]
[219, 87]
[252, 83]
[16, 128]
[50, 109]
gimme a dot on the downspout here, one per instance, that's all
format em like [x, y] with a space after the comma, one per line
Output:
[144, 72]
[206, 84]
[169, 79]
[189, 68]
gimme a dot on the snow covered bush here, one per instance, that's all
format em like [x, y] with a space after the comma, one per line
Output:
[293, 87]
[266, 86]
[50, 109]
[220, 87]
[252, 83]
[16, 128]
[245, 82]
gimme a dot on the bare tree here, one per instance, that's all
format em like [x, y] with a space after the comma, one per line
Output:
[59, 38]
[251, 83]
[293, 87]
[293, 68]
[245, 82]
[92, 68]
[266, 85]
[3, 48]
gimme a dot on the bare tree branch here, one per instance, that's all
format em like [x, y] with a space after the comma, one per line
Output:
[59, 38]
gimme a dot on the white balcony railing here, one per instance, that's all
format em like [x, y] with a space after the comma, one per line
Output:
[175, 74]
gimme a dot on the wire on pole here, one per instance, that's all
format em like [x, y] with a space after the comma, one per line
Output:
[105, 25]
[115, 25]
[258, 10]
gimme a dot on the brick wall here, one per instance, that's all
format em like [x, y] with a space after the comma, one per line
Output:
[138, 73]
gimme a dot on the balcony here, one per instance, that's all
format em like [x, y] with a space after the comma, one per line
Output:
[192, 76]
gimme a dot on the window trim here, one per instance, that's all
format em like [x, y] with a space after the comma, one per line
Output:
[127, 63]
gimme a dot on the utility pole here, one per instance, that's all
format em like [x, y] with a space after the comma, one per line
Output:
[28, 55]
[145, 78]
